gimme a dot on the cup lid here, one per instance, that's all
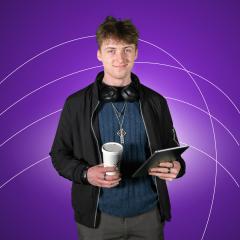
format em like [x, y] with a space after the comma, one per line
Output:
[112, 147]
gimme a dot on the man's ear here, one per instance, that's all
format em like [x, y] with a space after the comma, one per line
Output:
[99, 55]
[136, 54]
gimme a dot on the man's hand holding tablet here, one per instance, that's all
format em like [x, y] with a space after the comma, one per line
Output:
[166, 170]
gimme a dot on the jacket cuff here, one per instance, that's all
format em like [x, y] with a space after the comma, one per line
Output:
[183, 167]
[78, 175]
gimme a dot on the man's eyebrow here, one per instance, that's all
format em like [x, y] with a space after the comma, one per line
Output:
[111, 47]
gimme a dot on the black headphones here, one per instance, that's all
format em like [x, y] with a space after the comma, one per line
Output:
[110, 93]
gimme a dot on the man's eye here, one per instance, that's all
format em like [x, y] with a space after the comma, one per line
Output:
[128, 50]
[110, 51]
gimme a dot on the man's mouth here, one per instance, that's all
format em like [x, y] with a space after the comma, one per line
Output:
[121, 66]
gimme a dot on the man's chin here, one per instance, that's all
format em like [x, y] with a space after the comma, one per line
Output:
[121, 74]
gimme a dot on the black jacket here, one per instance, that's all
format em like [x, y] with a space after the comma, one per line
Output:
[77, 145]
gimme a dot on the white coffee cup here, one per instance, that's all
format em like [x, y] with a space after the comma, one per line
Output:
[112, 155]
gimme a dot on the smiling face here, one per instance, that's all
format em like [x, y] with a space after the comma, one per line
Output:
[118, 59]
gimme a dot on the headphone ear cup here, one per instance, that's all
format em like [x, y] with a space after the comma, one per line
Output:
[129, 93]
[109, 93]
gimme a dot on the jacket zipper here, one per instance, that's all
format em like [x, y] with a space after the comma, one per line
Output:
[100, 157]
[149, 143]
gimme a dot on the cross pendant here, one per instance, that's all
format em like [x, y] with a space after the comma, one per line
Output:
[121, 133]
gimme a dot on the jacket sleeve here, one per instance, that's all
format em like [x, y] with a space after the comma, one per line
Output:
[62, 149]
[171, 136]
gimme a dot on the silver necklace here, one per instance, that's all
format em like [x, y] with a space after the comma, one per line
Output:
[121, 132]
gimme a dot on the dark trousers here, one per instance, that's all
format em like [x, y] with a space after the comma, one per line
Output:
[145, 226]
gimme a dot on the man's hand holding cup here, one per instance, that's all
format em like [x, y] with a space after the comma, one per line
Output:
[107, 174]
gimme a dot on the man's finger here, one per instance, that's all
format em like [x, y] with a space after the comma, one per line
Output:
[163, 175]
[108, 169]
[106, 177]
[105, 183]
[112, 177]
[167, 179]
[111, 186]
[163, 170]
[166, 164]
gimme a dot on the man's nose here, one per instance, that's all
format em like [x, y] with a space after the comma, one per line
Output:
[120, 56]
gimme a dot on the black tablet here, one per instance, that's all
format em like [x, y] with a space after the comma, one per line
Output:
[164, 155]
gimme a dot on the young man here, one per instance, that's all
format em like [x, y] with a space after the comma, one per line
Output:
[116, 107]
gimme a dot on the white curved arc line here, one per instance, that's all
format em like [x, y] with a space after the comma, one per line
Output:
[73, 73]
[214, 137]
[41, 53]
[24, 170]
[45, 85]
[175, 99]
[200, 109]
[219, 89]
[193, 73]
[191, 146]
[29, 125]
[205, 105]
[208, 114]
[225, 169]
[195, 85]
[91, 36]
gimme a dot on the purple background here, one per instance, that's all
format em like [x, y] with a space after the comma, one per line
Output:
[202, 36]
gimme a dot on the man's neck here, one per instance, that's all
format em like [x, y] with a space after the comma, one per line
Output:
[107, 79]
